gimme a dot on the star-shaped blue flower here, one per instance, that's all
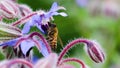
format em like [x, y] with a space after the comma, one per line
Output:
[41, 19]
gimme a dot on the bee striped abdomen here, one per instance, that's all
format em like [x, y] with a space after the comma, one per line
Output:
[52, 34]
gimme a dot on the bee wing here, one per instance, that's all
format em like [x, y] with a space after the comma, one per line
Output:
[8, 32]
[60, 41]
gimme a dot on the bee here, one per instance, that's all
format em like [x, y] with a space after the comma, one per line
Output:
[52, 34]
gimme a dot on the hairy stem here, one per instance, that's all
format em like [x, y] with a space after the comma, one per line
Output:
[43, 39]
[70, 45]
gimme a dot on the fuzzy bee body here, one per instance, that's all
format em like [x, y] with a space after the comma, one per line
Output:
[52, 34]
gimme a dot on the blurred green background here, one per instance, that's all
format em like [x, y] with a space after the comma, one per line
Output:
[80, 24]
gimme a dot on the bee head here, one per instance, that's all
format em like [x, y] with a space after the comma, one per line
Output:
[51, 24]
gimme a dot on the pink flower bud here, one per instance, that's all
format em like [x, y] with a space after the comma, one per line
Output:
[8, 9]
[95, 53]
[24, 10]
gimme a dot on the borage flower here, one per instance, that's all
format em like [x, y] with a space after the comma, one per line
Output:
[41, 19]
[26, 42]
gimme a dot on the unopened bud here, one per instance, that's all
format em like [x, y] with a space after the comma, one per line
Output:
[24, 10]
[8, 9]
[95, 53]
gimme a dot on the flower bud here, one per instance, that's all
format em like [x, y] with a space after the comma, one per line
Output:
[8, 9]
[24, 10]
[95, 53]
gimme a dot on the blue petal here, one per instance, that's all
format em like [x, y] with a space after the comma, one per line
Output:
[54, 7]
[50, 14]
[43, 50]
[52, 10]
[35, 19]
[26, 45]
[26, 28]
[54, 13]
[9, 43]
